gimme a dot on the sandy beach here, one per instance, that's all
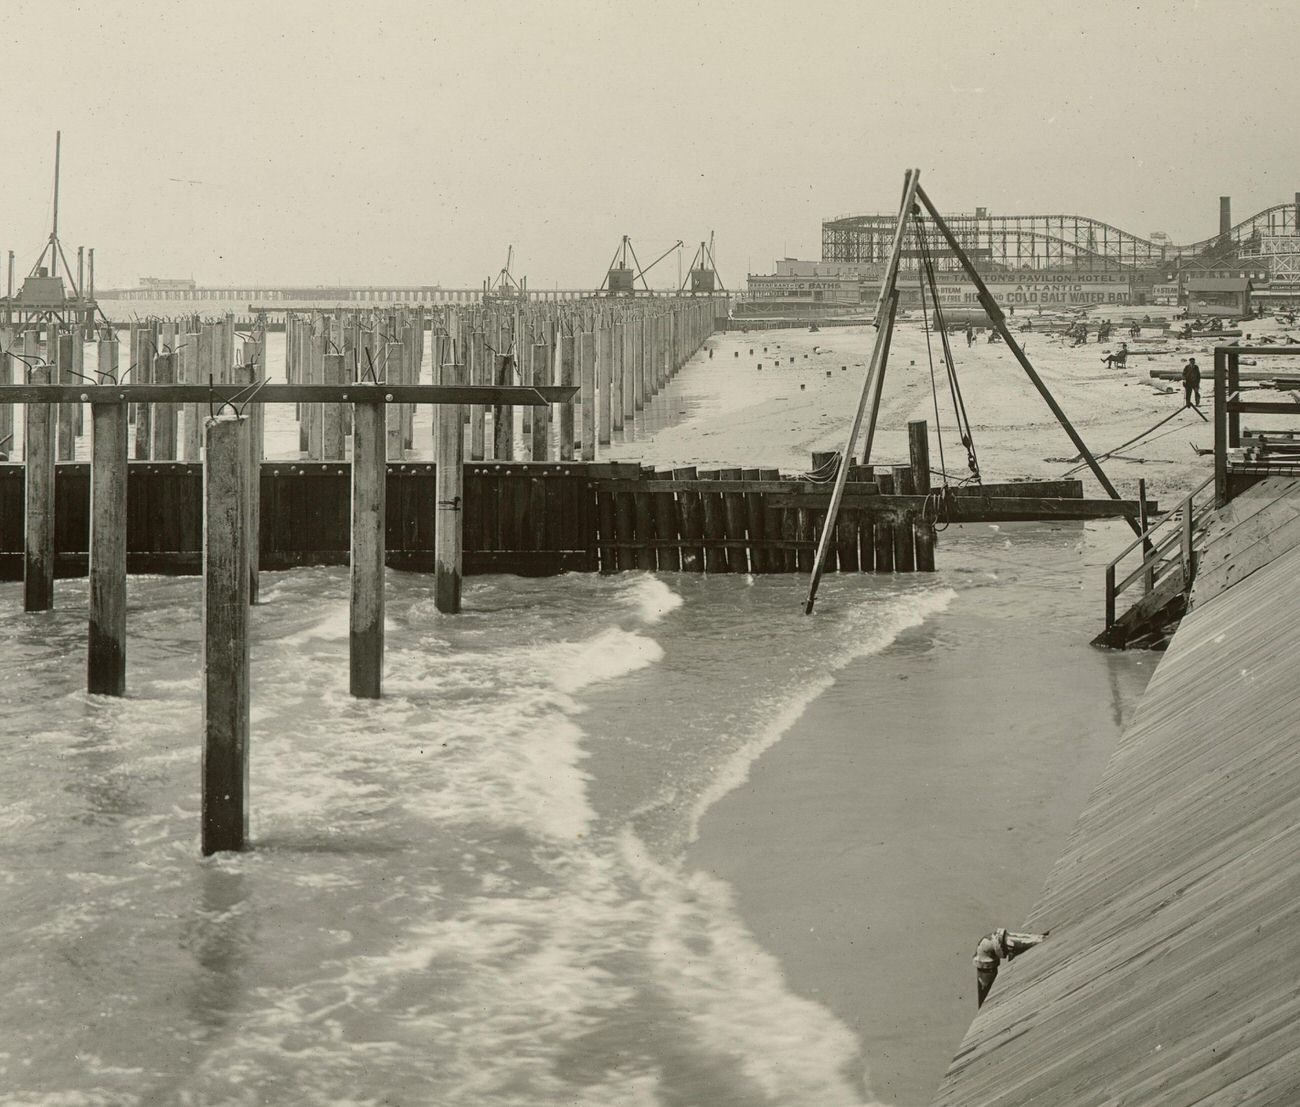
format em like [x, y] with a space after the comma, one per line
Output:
[802, 398]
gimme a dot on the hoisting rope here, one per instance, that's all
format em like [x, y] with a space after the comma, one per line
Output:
[959, 404]
[1147, 434]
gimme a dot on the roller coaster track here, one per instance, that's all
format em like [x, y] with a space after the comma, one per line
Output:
[1035, 241]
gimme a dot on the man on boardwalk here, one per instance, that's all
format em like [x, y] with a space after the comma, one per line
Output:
[995, 948]
[1191, 383]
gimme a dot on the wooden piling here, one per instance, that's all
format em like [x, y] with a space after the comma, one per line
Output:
[734, 518]
[604, 381]
[503, 415]
[225, 635]
[629, 371]
[190, 373]
[690, 520]
[617, 354]
[67, 419]
[884, 528]
[372, 433]
[918, 442]
[666, 526]
[106, 639]
[904, 548]
[448, 536]
[146, 350]
[333, 444]
[541, 432]
[393, 358]
[587, 364]
[38, 557]
[923, 532]
[716, 558]
[478, 374]
[754, 524]
[6, 377]
[164, 415]
[568, 353]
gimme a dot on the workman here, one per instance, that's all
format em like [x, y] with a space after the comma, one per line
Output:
[1191, 383]
[995, 948]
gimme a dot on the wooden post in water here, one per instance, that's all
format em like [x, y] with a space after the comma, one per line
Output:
[904, 550]
[918, 441]
[106, 642]
[884, 527]
[38, 556]
[225, 635]
[447, 540]
[372, 433]
[393, 355]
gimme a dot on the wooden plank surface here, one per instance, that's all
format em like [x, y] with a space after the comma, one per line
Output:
[1169, 976]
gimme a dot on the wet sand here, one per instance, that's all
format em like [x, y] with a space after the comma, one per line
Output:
[922, 799]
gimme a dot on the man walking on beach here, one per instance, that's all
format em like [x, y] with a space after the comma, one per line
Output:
[992, 950]
[1191, 383]
[970, 335]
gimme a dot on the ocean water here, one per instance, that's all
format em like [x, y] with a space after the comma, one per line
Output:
[471, 892]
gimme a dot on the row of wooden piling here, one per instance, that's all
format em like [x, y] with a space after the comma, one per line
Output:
[190, 350]
[620, 355]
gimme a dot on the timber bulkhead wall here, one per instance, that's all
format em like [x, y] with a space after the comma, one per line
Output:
[529, 518]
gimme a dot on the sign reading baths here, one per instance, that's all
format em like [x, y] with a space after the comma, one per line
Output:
[1035, 289]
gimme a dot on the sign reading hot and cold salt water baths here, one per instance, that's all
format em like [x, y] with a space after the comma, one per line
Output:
[1038, 289]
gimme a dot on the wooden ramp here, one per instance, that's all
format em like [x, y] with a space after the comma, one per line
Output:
[1172, 973]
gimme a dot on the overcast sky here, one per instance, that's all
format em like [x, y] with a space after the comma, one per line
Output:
[411, 143]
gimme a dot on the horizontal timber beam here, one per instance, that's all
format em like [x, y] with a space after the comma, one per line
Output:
[519, 395]
[975, 509]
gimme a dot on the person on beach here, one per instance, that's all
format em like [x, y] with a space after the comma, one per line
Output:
[970, 335]
[1118, 359]
[992, 950]
[1191, 383]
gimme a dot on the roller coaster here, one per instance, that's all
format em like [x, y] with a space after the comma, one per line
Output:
[1270, 237]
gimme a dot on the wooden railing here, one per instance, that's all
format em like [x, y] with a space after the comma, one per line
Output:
[1167, 547]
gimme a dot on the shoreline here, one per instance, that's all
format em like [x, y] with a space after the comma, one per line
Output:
[920, 801]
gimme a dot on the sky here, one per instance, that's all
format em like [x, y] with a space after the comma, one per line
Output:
[412, 143]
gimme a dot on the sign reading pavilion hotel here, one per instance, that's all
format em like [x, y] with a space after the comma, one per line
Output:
[1035, 288]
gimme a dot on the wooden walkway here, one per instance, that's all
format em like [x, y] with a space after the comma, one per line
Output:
[1170, 976]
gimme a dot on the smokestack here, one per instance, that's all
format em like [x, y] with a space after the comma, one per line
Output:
[1225, 214]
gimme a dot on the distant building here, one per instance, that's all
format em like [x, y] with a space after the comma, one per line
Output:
[1217, 295]
[166, 283]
